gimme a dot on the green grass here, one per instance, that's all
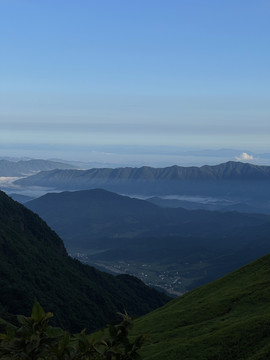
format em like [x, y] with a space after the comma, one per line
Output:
[227, 319]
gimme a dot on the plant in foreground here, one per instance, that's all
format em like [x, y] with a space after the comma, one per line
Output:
[35, 339]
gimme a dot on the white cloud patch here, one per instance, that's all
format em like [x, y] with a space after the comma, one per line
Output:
[244, 157]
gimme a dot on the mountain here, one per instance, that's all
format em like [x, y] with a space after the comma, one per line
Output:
[35, 265]
[227, 319]
[74, 179]
[28, 167]
[241, 183]
[118, 232]
[89, 215]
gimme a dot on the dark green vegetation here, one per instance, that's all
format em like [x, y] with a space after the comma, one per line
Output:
[227, 319]
[34, 264]
[183, 248]
[246, 185]
[35, 339]
[27, 167]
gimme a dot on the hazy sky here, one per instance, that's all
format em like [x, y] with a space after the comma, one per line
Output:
[77, 75]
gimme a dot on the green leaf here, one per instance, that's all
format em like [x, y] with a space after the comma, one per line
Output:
[53, 332]
[37, 312]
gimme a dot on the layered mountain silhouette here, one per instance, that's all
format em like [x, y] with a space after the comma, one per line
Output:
[130, 229]
[244, 184]
[35, 265]
[226, 171]
[95, 214]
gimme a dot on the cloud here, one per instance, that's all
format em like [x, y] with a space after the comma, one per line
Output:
[244, 157]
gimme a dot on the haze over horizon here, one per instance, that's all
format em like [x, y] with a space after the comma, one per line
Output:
[127, 156]
[145, 82]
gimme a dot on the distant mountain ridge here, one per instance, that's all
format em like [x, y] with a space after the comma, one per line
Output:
[26, 167]
[239, 183]
[226, 171]
[150, 180]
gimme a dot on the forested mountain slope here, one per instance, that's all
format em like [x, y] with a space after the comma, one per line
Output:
[35, 264]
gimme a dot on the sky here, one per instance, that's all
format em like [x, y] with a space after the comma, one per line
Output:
[134, 81]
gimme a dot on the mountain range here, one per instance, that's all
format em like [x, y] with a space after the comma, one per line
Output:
[242, 184]
[226, 171]
[226, 319]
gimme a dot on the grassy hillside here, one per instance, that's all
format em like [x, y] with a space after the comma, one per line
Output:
[35, 265]
[227, 319]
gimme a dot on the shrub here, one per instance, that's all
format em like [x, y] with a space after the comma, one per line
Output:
[34, 339]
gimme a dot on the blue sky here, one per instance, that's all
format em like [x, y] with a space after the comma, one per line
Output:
[79, 77]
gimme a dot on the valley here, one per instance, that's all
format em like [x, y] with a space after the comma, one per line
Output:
[173, 279]
[201, 224]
